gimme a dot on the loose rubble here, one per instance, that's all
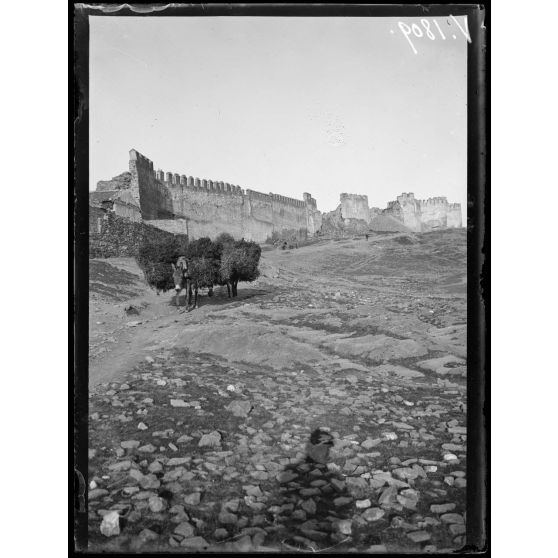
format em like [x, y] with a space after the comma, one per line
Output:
[195, 452]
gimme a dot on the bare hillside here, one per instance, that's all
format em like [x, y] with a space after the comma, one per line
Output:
[200, 422]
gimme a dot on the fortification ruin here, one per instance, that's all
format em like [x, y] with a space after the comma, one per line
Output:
[202, 207]
[405, 214]
[181, 204]
[425, 215]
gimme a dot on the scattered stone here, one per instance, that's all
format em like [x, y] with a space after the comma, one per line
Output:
[408, 498]
[286, 476]
[210, 440]
[371, 443]
[178, 403]
[361, 504]
[97, 493]
[388, 497]
[344, 526]
[338, 484]
[239, 408]
[156, 504]
[452, 518]
[457, 529]
[149, 448]
[120, 466]
[373, 514]
[173, 461]
[185, 529]
[252, 490]
[442, 508]
[232, 505]
[142, 426]
[130, 444]
[309, 506]
[110, 525]
[419, 536]
[149, 481]
[405, 473]
[192, 499]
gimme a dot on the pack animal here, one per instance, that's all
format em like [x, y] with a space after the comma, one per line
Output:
[186, 275]
[182, 279]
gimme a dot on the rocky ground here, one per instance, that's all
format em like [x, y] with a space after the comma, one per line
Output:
[201, 422]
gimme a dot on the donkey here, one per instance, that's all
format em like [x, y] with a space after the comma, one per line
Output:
[186, 276]
[181, 279]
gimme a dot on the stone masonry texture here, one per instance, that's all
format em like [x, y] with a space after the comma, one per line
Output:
[178, 204]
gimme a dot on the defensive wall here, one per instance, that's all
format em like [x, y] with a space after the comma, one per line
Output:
[354, 206]
[111, 235]
[353, 215]
[203, 207]
[425, 215]
[179, 204]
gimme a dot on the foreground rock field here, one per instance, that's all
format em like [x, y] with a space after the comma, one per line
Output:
[200, 422]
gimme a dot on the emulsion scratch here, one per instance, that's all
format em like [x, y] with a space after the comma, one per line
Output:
[138, 8]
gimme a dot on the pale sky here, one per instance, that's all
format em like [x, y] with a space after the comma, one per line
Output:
[283, 105]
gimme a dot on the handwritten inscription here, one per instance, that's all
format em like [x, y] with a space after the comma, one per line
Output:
[430, 29]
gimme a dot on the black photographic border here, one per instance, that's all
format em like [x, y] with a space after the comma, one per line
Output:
[478, 231]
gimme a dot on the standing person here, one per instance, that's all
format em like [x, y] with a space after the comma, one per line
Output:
[366, 235]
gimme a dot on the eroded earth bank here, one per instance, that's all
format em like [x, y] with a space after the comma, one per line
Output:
[200, 422]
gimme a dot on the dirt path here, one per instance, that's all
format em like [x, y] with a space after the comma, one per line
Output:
[200, 421]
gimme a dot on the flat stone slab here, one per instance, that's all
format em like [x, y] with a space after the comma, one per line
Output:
[446, 365]
[378, 347]
[399, 371]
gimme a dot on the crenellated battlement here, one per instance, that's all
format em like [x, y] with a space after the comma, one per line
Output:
[406, 197]
[440, 200]
[213, 206]
[356, 197]
[287, 201]
[252, 194]
[173, 180]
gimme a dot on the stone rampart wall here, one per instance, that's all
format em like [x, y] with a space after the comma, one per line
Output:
[113, 236]
[210, 207]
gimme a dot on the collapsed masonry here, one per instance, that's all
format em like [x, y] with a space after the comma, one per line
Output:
[406, 214]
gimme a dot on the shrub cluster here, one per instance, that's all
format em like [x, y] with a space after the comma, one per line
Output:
[220, 262]
[155, 257]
